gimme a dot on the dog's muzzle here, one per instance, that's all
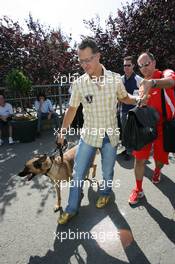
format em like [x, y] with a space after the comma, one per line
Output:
[26, 172]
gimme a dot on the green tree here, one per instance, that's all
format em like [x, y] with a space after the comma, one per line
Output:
[41, 52]
[18, 82]
[136, 27]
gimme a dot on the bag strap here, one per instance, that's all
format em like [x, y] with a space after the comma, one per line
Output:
[168, 100]
[165, 98]
[163, 105]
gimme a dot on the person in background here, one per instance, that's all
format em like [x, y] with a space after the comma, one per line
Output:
[154, 81]
[131, 82]
[6, 112]
[45, 110]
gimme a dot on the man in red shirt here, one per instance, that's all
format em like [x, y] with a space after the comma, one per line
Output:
[154, 81]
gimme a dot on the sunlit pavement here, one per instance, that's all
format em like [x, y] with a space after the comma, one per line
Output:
[117, 234]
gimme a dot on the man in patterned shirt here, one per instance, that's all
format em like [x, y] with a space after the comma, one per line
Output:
[98, 90]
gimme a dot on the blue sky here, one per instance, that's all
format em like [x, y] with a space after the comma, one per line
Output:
[66, 14]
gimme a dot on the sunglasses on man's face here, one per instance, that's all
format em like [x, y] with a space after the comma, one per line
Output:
[87, 61]
[127, 65]
[144, 65]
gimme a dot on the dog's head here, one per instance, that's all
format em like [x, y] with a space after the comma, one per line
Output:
[35, 166]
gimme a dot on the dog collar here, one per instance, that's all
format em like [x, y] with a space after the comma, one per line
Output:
[51, 158]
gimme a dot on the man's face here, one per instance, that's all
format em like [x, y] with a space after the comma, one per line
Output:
[88, 60]
[41, 98]
[2, 100]
[146, 65]
[128, 67]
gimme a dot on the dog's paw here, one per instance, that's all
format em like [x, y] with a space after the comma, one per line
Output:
[57, 208]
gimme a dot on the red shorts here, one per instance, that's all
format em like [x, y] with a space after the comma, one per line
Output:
[158, 151]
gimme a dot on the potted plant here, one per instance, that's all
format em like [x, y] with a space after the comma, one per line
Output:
[24, 124]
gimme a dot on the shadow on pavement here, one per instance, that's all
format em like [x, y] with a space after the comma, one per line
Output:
[89, 250]
[166, 225]
[127, 164]
[166, 185]
[12, 160]
[123, 163]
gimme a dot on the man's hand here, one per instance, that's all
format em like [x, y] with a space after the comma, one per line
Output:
[68, 118]
[145, 86]
[60, 139]
[41, 100]
[143, 100]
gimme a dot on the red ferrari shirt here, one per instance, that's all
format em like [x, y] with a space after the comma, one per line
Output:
[155, 94]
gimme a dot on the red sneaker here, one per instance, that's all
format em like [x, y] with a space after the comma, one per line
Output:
[135, 196]
[156, 177]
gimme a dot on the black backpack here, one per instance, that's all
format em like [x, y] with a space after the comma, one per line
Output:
[140, 128]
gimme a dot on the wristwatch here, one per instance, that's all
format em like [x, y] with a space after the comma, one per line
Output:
[138, 100]
[154, 83]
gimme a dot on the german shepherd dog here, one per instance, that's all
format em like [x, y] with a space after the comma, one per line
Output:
[55, 168]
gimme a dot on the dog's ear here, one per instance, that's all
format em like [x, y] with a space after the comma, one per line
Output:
[24, 172]
[38, 163]
[37, 156]
[43, 158]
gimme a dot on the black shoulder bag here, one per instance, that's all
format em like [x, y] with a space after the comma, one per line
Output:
[140, 128]
[168, 128]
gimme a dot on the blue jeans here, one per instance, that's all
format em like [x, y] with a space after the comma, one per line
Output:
[83, 159]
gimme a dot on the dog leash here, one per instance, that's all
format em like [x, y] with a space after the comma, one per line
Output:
[61, 148]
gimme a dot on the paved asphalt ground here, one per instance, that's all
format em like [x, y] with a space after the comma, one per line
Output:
[29, 233]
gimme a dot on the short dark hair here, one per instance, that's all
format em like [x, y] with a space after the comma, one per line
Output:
[41, 94]
[89, 43]
[149, 54]
[129, 58]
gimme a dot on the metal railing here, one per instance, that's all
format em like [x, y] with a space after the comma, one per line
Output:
[59, 96]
